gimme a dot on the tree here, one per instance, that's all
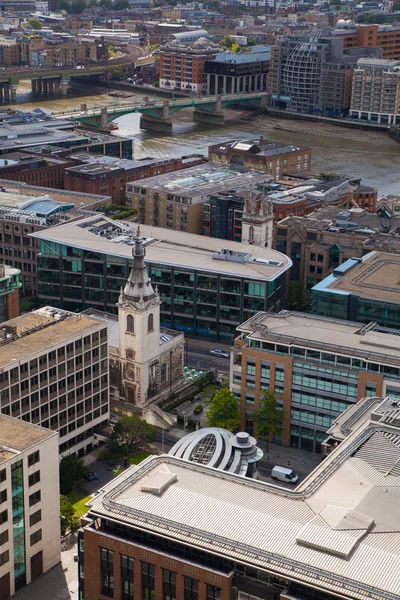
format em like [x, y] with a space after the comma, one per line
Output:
[295, 297]
[268, 418]
[121, 4]
[65, 5]
[72, 469]
[236, 48]
[117, 74]
[35, 23]
[133, 434]
[106, 4]
[227, 42]
[68, 518]
[78, 6]
[224, 410]
[117, 471]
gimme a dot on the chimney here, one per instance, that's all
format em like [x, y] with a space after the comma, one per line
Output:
[262, 143]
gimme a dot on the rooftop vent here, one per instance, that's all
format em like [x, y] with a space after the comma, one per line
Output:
[158, 482]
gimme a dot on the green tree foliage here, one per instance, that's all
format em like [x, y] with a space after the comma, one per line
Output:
[65, 5]
[227, 42]
[133, 434]
[35, 23]
[117, 74]
[117, 471]
[224, 410]
[375, 18]
[68, 518]
[268, 418]
[121, 4]
[72, 469]
[106, 4]
[295, 297]
[78, 6]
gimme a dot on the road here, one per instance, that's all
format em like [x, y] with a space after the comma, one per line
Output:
[198, 355]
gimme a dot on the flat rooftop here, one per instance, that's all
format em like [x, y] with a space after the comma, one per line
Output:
[201, 181]
[15, 193]
[271, 148]
[375, 276]
[338, 531]
[168, 247]
[313, 331]
[40, 330]
[17, 435]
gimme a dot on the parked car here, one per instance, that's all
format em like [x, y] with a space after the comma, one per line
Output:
[220, 353]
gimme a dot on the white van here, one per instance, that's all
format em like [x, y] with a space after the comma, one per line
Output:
[284, 474]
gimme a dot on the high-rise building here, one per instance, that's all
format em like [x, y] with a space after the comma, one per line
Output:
[361, 289]
[29, 503]
[171, 528]
[54, 373]
[316, 366]
[10, 285]
[231, 73]
[376, 91]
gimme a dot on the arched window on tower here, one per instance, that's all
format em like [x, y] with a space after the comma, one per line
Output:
[150, 323]
[251, 234]
[130, 324]
[163, 373]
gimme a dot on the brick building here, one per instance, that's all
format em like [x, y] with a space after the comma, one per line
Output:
[10, 285]
[386, 37]
[34, 169]
[109, 176]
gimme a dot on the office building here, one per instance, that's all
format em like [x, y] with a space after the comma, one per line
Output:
[182, 62]
[54, 373]
[175, 529]
[361, 289]
[25, 209]
[146, 360]
[176, 201]
[10, 284]
[384, 37]
[231, 73]
[316, 366]
[376, 91]
[206, 286]
[29, 504]
[313, 72]
[274, 158]
[34, 169]
[321, 241]
[108, 175]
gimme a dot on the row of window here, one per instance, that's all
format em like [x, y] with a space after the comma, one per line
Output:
[326, 384]
[318, 419]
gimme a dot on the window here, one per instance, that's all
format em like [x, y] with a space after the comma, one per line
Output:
[130, 324]
[150, 323]
[36, 537]
[107, 572]
[33, 458]
[169, 585]
[3, 475]
[127, 577]
[191, 589]
[4, 558]
[3, 517]
[35, 518]
[213, 593]
[163, 373]
[4, 537]
[3, 496]
[34, 498]
[34, 478]
[251, 369]
[148, 581]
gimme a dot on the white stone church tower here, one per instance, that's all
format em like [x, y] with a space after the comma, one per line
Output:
[257, 220]
[150, 360]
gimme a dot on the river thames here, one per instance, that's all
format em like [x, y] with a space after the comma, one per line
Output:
[371, 156]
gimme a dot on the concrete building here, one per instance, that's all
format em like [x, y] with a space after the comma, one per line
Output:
[221, 449]
[182, 62]
[146, 360]
[205, 289]
[107, 175]
[54, 373]
[25, 209]
[376, 91]
[385, 37]
[175, 529]
[176, 201]
[10, 284]
[274, 158]
[316, 366]
[361, 289]
[29, 504]
[323, 240]
[231, 73]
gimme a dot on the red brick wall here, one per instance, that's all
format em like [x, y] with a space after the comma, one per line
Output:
[94, 541]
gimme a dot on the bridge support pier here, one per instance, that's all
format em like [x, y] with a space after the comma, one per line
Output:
[154, 124]
[6, 92]
[57, 87]
[64, 87]
[34, 86]
[206, 116]
[13, 91]
[45, 86]
[39, 86]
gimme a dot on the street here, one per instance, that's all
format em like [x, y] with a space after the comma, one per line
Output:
[198, 355]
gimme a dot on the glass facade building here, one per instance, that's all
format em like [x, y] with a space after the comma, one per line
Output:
[196, 300]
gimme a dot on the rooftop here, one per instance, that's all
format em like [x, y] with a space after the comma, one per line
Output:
[376, 276]
[325, 333]
[339, 530]
[259, 147]
[39, 331]
[201, 181]
[17, 435]
[169, 247]
[245, 58]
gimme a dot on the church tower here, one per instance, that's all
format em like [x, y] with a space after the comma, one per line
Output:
[139, 330]
[257, 220]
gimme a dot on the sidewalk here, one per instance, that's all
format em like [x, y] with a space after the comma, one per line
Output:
[298, 460]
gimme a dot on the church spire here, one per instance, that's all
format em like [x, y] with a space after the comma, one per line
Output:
[138, 286]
